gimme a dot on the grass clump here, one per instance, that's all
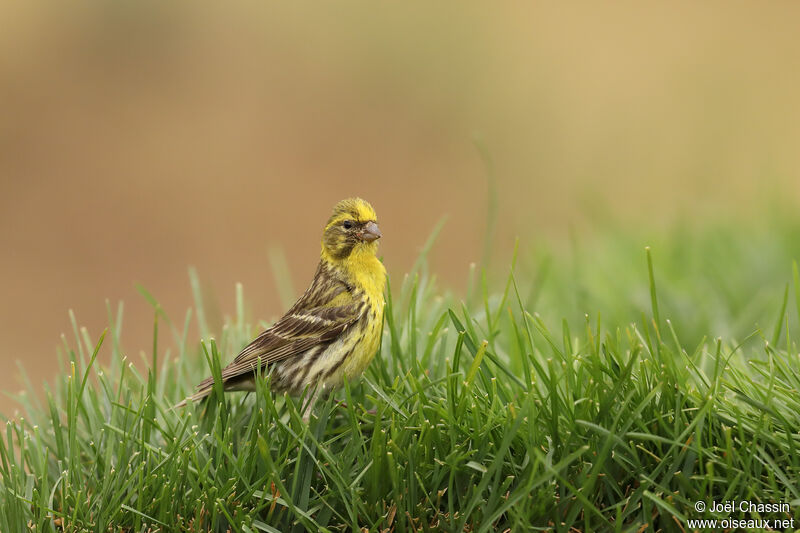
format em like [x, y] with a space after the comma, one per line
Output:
[476, 416]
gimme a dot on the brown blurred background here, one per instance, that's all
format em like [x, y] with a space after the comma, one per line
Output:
[138, 138]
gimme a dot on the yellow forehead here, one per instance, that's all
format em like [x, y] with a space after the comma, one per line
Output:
[353, 208]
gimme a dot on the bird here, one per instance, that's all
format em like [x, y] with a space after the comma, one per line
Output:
[333, 331]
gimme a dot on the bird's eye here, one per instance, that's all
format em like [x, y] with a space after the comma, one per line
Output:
[348, 224]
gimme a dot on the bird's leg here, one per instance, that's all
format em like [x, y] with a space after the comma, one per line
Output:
[309, 406]
[316, 394]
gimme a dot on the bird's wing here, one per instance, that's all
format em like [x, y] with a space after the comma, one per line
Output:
[292, 335]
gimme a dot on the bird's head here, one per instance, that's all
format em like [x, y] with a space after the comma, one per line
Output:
[353, 227]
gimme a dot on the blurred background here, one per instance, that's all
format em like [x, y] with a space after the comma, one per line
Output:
[139, 138]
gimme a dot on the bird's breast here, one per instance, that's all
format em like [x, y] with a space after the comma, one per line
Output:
[369, 274]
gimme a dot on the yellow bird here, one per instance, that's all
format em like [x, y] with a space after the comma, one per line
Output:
[334, 329]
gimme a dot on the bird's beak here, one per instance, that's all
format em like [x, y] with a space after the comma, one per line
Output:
[371, 232]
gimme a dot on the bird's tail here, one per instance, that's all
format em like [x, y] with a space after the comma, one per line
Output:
[206, 387]
[197, 396]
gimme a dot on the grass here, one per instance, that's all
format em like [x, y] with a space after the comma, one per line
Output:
[603, 388]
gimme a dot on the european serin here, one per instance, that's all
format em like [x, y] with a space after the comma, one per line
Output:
[334, 329]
